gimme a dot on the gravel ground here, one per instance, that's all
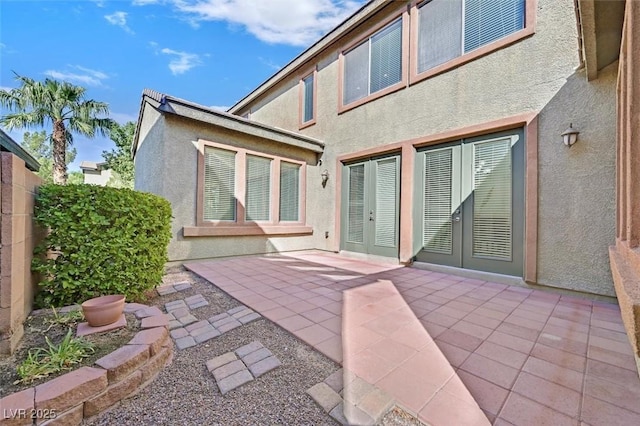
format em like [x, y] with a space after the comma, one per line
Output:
[185, 393]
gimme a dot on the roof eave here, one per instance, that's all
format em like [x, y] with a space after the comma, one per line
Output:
[339, 31]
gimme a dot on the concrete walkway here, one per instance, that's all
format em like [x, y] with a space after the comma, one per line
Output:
[527, 357]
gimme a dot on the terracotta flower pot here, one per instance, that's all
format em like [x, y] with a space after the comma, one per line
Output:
[103, 310]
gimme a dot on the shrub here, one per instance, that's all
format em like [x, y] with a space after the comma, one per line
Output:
[101, 241]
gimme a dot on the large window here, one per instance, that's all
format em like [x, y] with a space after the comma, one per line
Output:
[219, 181]
[241, 189]
[373, 65]
[451, 28]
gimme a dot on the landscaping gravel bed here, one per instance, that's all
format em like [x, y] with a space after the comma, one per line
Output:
[185, 393]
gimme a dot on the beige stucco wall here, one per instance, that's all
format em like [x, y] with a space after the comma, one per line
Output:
[170, 144]
[577, 185]
[535, 75]
[98, 177]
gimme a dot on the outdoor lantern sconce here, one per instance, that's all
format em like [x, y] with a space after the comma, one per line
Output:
[325, 178]
[570, 136]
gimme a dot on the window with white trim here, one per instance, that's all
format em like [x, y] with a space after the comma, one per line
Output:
[450, 28]
[374, 64]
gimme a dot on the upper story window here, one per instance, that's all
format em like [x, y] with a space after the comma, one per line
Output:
[308, 100]
[373, 65]
[451, 28]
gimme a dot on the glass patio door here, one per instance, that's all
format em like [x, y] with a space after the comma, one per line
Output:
[370, 199]
[472, 203]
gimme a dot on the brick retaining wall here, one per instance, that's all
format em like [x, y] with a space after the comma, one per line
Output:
[88, 391]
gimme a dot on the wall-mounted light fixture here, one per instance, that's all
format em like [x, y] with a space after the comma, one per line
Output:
[570, 136]
[325, 177]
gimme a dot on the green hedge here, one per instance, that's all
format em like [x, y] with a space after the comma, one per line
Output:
[107, 241]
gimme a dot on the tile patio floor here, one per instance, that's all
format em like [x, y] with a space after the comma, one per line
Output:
[527, 357]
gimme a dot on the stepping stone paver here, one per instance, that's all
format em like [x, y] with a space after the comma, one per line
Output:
[221, 360]
[235, 380]
[178, 333]
[196, 325]
[363, 403]
[229, 326]
[231, 372]
[206, 336]
[182, 286]
[163, 290]
[182, 323]
[189, 319]
[247, 349]
[264, 366]
[176, 304]
[196, 301]
[256, 356]
[185, 342]
[248, 318]
[324, 396]
[228, 369]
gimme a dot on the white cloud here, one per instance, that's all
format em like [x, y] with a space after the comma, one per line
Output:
[182, 61]
[119, 19]
[144, 2]
[220, 108]
[6, 89]
[87, 76]
[123, 117]
[98, 3]
[269, 63]
[297, 23]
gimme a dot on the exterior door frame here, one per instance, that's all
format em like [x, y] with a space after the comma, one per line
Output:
[461, 253]
[368, 244]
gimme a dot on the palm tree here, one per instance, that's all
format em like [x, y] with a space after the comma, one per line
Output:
[35, 104]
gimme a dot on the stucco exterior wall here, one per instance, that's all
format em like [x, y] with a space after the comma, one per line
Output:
[577, 185]
[176, 138]
[98, 177]
[534, 75]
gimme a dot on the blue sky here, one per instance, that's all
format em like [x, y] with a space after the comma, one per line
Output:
[212, 52]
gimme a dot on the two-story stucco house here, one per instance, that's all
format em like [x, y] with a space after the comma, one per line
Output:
[422, 131]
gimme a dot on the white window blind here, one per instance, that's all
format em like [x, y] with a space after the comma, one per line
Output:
[492, 224]
[289, 192]
[439, 33]
[489, 20]
[448, 28]
[386, 57]
[374, 64]
[385, 220]
[308, 112]
[437, 227]
[258, 199]
[219, 184]
[355, 220]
